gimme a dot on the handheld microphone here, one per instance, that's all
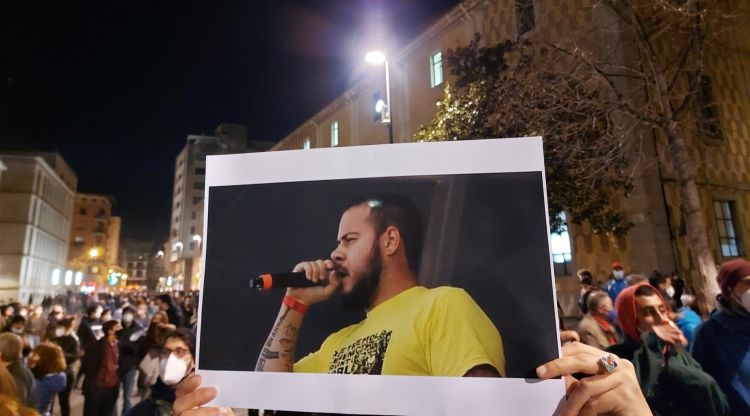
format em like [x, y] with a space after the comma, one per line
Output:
[270, 281]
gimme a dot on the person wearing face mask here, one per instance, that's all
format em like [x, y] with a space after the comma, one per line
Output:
[176, 362]
[597, 326]
[63, 336]
[686, 318]
[17, 325]
[129, 341]
[617, 281]
[722, 344]
[102, 382]
[670, 379]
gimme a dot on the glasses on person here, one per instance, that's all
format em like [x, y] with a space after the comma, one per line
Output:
[179, 352]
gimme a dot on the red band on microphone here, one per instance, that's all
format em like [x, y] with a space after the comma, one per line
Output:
[267, 281]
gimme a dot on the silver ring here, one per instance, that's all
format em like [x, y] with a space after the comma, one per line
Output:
[609, 362]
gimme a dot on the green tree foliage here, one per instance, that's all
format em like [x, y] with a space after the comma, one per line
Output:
[510, 90]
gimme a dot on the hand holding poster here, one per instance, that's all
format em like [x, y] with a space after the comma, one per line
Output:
[431, 262]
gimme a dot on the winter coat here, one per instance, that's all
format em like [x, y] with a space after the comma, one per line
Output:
[722, 347]
[44, 391]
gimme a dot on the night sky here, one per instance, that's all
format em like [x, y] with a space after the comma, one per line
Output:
[116, 86]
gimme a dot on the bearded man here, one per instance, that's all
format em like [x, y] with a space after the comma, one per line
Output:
[409, 329]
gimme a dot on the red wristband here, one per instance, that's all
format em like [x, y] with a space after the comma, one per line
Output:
[295, 304]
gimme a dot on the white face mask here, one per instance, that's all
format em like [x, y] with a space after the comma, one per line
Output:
[172, 370]
[127, 318]
[744, 300]
[618, 274]
[59, 332]
[670, 291]
[17, 330]
[687, 300]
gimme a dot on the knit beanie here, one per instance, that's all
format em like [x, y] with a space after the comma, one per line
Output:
[730, 273]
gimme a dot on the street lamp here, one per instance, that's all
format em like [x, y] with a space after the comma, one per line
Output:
[197, 238]
[384, 108]
[94, 252]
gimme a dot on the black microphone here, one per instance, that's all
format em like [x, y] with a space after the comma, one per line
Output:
[270, 281]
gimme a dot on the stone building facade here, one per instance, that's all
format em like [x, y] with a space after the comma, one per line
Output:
[37, 191]
[658, 239]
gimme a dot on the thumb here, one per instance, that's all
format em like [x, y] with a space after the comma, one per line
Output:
[333, 283]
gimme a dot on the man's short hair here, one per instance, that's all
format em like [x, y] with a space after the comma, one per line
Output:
[395, 210]
[109, 325]
[164, 297]
[185, 336]
[10, 347]
[92, 309]
[595, 299]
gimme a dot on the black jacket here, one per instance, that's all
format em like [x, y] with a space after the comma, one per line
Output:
[130, 340]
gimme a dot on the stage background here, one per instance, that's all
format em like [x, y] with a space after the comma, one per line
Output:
[485, 233]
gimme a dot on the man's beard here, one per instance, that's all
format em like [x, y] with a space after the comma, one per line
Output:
[363, 290]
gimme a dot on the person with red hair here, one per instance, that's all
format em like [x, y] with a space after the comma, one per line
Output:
[670, 379]
[722, 344]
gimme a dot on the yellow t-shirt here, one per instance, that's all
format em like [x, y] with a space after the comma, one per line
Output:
[419, 332]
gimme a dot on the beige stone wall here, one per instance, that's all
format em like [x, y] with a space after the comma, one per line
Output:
[657, 240]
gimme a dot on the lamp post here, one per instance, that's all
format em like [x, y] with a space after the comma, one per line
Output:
[384, 108]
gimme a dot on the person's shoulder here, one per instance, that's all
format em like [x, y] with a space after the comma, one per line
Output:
[448, 293]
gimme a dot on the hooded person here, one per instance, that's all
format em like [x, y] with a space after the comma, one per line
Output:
[722, 344]
[672, 381]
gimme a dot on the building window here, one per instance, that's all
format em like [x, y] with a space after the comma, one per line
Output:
[525, 14]
[562, 255]
[334, 134]
[82, 211]
[200, 171]
[197, 199]
[725, 221]
[198, 185]
[174, 232]
[192, 230]
[190, 246]
[192, 215]
[709, 113]
[436, 69]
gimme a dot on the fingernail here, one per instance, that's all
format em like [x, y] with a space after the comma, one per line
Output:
[541, 371]
[224, 410]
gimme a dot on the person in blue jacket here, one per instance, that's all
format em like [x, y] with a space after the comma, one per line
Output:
[722, 344]
[47, 363]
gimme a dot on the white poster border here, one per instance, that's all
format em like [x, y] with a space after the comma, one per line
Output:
[387, 395]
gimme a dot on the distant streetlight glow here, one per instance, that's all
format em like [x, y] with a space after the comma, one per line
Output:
[94, 252]
[68, 277]
[197, 238]
[160, 253]
[55, 277]
[375, 57]
[79, 278]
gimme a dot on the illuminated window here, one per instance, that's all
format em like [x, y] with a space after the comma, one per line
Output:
[725, 221]
[334, 134]
[436, 69]
[306, 143]
[562, 255]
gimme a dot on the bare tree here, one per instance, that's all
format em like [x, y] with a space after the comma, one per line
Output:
[637, 68]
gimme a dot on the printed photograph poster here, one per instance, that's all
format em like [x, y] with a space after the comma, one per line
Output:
[475, 214]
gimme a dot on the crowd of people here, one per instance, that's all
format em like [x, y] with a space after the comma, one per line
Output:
[136, 346]
[678, 353]
[690, 356]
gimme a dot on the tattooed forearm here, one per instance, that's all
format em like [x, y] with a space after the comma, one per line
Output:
[278, 351]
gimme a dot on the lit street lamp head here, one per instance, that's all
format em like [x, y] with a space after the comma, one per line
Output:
[375, 57]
